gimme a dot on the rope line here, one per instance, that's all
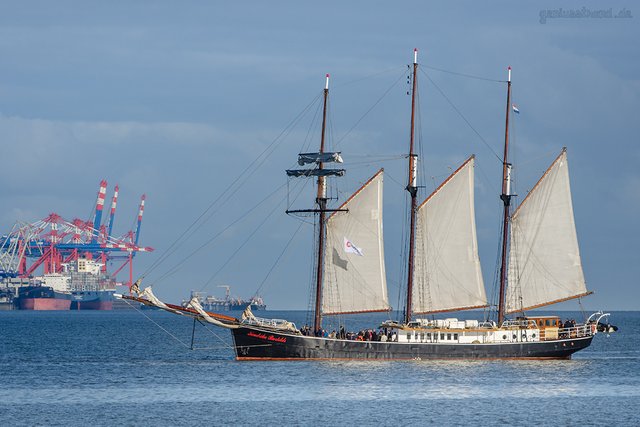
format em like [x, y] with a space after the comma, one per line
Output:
[471, 76]
[259, 160]
[278, 259]
[226, 346]
[215, 335]
[462, 116]
[370, 109]
[370, 76]
[158, 325]
[176, 267]
[255, 230]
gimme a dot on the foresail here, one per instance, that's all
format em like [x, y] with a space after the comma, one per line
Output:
[544, 258]
[354, 272]
[447, 273]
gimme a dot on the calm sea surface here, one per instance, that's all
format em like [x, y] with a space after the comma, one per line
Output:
[133, 368]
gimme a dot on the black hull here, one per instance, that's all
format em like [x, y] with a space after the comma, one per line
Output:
[261, 344]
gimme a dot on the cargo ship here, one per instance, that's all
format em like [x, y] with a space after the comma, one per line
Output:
[92, 300]
[212, 303]
[82, 285]
[91, 287]
[6, 301]
[48, 292]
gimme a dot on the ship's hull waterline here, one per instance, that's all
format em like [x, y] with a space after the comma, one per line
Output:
[44, 304]
[92, 305]
[42, 298]
[92, 300]
[252, 343]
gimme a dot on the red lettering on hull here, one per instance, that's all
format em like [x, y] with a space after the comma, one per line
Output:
[266, 337]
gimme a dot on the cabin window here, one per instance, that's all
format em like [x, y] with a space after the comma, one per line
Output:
[540, 322]
[428, 335]
[409, 336]
[422, 336]
[449, 337]
[504, 337]
[442, 337]
[547, 322]
[455, 337]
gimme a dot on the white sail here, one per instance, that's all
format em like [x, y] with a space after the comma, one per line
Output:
[447, 273]
[544, 258]
[354, 273]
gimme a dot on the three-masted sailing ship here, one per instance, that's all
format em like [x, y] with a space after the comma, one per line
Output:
[540, 262]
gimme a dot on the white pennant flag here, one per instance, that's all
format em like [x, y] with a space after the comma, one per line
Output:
[350, 248]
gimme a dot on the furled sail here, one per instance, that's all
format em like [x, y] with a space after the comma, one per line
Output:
[447, 273]
[306, 158]
[354, 272]
[544, 258]
[315, 172]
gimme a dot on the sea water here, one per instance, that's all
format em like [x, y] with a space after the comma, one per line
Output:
[137, 368]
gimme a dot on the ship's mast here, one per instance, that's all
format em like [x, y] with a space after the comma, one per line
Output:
[412, 188]
[506, 200]
[321, 201]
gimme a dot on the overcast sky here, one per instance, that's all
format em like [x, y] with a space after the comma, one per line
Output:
[175, 99]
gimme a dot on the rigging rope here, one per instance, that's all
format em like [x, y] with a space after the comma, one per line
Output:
[370, 76]
[176, 267]
[277, 260]
[229, 191]
[493, 302]
[465, 75]
[208, 282]
[157, 324]
[462, 116]
[369, 110]
[306, 143]
[225, 344]
[237, 183]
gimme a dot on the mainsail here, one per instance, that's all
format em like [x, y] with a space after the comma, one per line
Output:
[544, 259]
[447, 273]
[354, 273]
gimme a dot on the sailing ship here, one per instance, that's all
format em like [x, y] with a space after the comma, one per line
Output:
[540, 262]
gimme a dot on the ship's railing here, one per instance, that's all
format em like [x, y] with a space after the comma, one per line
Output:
[270, 323]
[577, 331]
